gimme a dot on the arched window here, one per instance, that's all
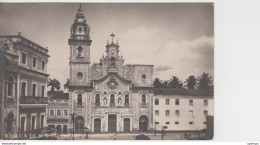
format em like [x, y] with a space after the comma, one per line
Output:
[97, 98]
[143, 98]
[112, 98]
[80, 29]
[126, 98]
[79, 75]
[80, 51]
[10, 86]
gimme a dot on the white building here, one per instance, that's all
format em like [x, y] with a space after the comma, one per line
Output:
[181, 109]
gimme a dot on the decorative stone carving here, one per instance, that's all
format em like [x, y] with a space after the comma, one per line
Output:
[112, 83]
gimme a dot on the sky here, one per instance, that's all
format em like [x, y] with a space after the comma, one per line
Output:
[177, 38]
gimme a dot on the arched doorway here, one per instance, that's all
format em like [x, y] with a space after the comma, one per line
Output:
[127, 125]
[9, 123]
[97, 125]
[79, 124]
[143, 123]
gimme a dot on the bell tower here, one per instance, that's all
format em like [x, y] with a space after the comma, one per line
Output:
[80, 43]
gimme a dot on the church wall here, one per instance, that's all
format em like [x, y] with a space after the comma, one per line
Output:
[75, 80]
[143, 75]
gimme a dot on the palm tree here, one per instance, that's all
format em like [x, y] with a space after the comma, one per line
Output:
[55, 84]
[205, 81]
[191, 82]
[175, 82]
[66, 86]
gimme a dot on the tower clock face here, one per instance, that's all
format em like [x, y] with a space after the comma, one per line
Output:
[112, 51]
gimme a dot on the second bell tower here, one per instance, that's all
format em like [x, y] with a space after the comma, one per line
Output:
[79, 51]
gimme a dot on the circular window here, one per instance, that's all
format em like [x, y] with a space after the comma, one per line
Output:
[79, 74]
[143, 76]
[80, 48]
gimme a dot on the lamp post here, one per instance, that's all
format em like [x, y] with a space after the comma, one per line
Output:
[86, 131]
[155, 128]
[164, 127]
[73, 123]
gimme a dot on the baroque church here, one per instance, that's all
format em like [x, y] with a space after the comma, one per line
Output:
[108, 96]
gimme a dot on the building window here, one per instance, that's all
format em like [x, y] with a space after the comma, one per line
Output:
[190, 122]
[97, 98]
[58, 112]
[143, 98]
[23, 89]
[157, 123]
[127, 98]
[42, 121]
[167, 112]
[204, 123]
[43, 65]
[10, 86]
[156, 102]
[52, 112]
[33, 122]
[191, 102]
[65, 112]
[79, 75]
[43, 90]
[65, 129]
[80, 29]
[80, 51]
[24, 58]
[167, 101]
[177, 112]
[156, 112]
[112, 98]
[167, 123]
[143, 76]
[23, 124]
[177, 102]
[119, 93]
[34, 62]
[205, 112]
[205, 102]
[79, 100]
[34, 89]
[176, 123]
[191, 113]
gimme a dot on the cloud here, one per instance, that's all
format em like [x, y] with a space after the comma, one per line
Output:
[162, 68]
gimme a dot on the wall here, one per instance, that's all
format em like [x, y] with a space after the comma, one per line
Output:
[185, 117]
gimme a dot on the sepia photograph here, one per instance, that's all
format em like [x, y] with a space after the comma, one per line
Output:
[106, 71]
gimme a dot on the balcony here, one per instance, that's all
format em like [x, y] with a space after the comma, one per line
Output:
[33, 100]
[143, 105]
[97, 104]
[112, 104]
[127, 104]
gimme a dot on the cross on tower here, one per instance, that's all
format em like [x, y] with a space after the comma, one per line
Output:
[112, 35]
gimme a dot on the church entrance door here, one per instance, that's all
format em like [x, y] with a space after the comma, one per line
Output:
[112, 123]
[127, 125]
[97, 125]
[143, 123]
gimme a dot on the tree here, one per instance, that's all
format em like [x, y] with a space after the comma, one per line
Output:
[191, 82]
[175, 82]
[66, 86]
[157, 83]
[55, 84]
[165, 84]
[204, 81]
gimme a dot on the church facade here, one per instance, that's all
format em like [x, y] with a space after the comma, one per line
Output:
[108, 96]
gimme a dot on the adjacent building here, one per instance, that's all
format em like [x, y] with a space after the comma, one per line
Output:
[58, 111]
[23, 83]
[182, 109]
[107, 96]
